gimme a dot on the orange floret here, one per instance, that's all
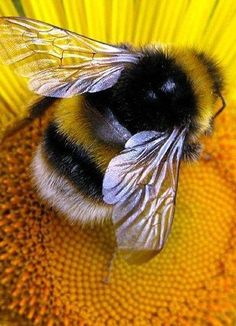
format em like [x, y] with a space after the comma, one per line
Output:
[53, 273]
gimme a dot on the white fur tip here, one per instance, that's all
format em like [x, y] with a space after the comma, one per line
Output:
[64, 197]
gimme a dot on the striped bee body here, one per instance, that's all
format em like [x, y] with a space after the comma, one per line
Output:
[116, 150]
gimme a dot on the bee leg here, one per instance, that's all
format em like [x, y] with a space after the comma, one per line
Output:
[107, 278]
[40, 107]
[192, 151]
[34, 112]
[210, 128]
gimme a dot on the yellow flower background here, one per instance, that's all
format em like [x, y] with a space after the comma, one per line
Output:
[53, 273]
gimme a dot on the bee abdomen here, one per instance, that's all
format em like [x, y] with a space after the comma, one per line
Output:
[73, 161]
[68, 179]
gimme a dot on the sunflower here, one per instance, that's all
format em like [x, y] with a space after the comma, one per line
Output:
[54, 273]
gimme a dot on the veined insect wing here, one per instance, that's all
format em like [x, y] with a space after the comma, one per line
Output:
[141, 182]
[58, 62]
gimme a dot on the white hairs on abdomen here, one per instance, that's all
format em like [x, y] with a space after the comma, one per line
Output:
[63, 196]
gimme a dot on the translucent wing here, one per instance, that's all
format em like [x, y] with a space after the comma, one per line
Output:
[57, 62]
[141, 182]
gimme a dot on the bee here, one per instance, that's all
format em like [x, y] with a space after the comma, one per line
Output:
[115, 150]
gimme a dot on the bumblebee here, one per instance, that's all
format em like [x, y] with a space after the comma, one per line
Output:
[115, 151]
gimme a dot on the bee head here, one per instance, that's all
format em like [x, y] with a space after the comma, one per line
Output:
[154, 94]
[167, 88]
